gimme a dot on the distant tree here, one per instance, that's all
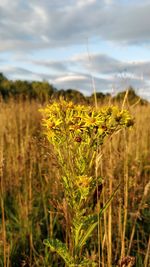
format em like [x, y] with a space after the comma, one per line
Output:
[69, 94]
[74, 95]
[132, 97]
[42, 90]
[21, 89]
[6, 88]
[101, 97]
[2, 77]
[59, 93]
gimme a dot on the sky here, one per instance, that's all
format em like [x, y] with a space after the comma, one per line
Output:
[69, 43]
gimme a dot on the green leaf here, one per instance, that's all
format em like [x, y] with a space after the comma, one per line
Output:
[61, 249]
[109, 201]
[92, 221]
[77, 232]
[86, 235]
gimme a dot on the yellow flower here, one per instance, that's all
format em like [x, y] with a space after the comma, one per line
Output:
[83, 181]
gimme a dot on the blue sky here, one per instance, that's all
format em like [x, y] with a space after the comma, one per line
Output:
[50, 39]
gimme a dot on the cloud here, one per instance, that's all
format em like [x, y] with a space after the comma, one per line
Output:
[56, 66]
[109, 73]
[12, 72]
[106, 82]
[98, 64]
[82, 83]
[69, 78]
[31, 27]
[82, 3]
[39, 24]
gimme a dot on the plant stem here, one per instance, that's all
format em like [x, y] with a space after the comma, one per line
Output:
[2, 202]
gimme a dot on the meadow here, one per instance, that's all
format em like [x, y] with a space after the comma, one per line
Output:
[30, 191]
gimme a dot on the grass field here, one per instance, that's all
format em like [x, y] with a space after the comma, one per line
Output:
[30, 188]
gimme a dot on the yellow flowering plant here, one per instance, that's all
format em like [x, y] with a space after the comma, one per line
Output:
[76, 133]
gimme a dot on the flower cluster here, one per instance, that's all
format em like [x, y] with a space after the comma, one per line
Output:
[76, 132]
[79, 123]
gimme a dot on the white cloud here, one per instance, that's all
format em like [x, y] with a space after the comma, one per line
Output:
[108, 73]
[109, 2]
[82, 3]
[30, 27]
[69, 78]
[70, 22]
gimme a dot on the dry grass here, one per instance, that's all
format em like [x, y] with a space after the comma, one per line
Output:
[29, 187]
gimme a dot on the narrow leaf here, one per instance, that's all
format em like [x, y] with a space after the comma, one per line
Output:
[93, 220]
[61, 249]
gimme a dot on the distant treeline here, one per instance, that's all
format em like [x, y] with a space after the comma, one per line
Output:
[43, 91]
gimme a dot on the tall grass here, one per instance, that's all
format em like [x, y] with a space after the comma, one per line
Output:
[30, 187]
